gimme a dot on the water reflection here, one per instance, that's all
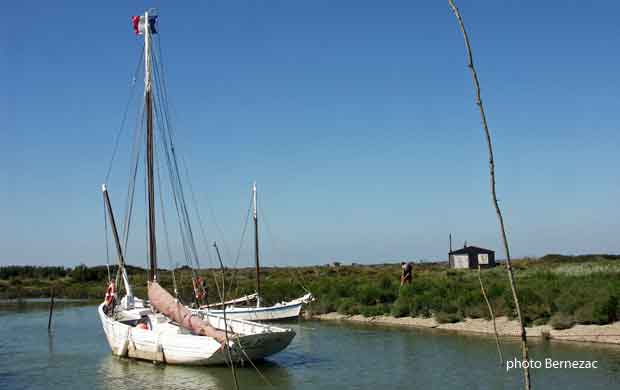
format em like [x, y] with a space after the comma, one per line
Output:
[126, 374]
[14, 306]
[50, 345]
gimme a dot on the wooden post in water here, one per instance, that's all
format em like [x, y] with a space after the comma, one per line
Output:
[49, 321]
[511, 278]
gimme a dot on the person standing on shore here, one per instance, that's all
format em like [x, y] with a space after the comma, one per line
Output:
[407, 273]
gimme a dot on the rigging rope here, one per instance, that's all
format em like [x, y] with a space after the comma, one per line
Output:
[177, 178]
[187, 234]
[221, 291]
[173, 183]
[270, 235]
[264, 378]
[146, 228]
[163, 218]
[122, 125]
[167, 105]
[133, 171]
[232, 363]
[234, 281]
[107, 242]
[131, 187]
[112, 159]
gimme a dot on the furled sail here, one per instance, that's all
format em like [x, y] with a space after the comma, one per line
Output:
[166, 304]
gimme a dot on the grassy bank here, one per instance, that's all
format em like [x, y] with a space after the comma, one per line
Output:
[560, 290]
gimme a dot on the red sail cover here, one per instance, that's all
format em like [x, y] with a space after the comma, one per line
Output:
[166, 304]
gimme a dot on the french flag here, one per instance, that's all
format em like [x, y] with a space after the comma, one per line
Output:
[138, 24]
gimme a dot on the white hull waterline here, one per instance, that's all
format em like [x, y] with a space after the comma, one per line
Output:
[166, 342]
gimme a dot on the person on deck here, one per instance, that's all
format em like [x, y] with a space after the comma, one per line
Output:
[407, 273]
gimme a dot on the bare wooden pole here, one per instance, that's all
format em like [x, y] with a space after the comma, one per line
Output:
[49, 320]
[486, 299]
[511, 278]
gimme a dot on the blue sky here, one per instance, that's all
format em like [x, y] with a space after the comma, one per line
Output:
[357, 119]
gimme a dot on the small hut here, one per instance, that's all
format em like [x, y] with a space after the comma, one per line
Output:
[470, 257]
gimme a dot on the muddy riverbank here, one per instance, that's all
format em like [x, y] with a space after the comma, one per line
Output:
[608, 334]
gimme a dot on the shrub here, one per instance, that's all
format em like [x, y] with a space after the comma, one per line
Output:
[508, 304]
[533, 306]
[448, 318]
[478, 311]
[323, 305]
[348, 306]
[569, 301]
[561, 321]
[400, 308]
[368, 295]
[587, 314]
[601, 310]
[373, 311]
[611, 308]
[423, 301]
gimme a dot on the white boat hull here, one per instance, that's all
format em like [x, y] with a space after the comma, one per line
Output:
[271, 313]
[168, 343]
[280, 311]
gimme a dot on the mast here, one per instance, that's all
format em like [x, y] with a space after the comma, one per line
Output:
[148, 104]
[119, 249]
[256, 252]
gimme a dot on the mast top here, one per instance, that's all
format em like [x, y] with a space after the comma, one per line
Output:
[254, 211]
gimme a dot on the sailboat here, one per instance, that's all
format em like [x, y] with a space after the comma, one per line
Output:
[161, 329]
[279, 311]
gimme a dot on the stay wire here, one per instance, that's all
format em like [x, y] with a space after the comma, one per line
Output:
[176, 180]
[242, 241]
[232, 363]
[133, 170]
[271, 236]
[107, 241]
[115, 150]
[174, 186]
[165, 226]
[146, 228]
[171, 131]
[263, 377]
[221, 292]
[192, 193]
[124, 118]
[178, 212]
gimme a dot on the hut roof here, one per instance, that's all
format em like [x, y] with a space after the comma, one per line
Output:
[471, 249]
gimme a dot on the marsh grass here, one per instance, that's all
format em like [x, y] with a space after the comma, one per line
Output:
[560, 290]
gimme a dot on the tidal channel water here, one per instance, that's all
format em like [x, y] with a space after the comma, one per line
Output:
[323, 356]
